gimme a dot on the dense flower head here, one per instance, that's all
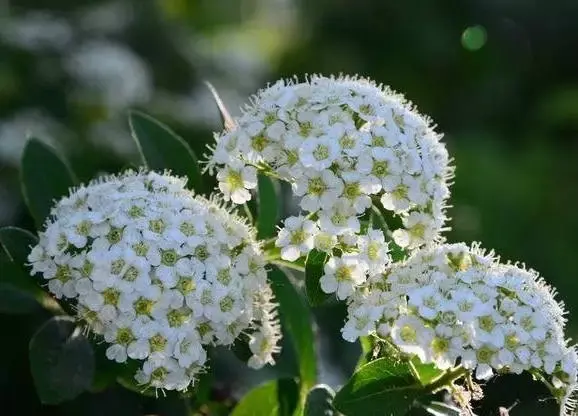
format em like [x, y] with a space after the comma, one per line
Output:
[345, 144]
[159, 273]
[452, 304]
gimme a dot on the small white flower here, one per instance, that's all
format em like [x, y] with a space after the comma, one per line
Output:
[319, 190]
[412, 336]
[296, 238]
[374, 251]
[342, 275]
[319, 153]
[235, 182]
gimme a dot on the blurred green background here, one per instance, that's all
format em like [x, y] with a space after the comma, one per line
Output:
[500, 79]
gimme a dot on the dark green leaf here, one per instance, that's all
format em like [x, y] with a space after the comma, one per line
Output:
[442, 409]
[268, 209]
[379, 388]
[161, 149]
[15, 301]
[45, 178]
[319, 401]
[126, 379]
[274, 398]
[287, 396]
[17, 278]
[61, 361]
[17, 243]
[313, 271]
[129, 383]
[296, 318]
[241, 348]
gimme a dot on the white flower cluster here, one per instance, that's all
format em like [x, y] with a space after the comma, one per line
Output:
[453, 304]
[345, 145]
[159, 273]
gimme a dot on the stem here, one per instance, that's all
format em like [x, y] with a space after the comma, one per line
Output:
[287, 264]
[384, 226]
[446, 379]
[248, 213]
[413, 370]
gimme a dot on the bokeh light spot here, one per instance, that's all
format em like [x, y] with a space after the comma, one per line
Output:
[474, 38]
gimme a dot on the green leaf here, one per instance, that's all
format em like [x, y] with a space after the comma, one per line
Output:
[268, 208]
[274, 398]
[313, 271]
[297, 321]
[45, 178]
[442, 409]
[379, 388]
[425, 373]
[319, 401]
[161, 149]
[61, 361]
[17, 243]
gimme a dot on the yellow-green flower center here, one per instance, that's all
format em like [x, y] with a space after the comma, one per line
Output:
[408, 334]
[124, 336]
[111, 296]
[117, 266]
[187, 229]
[234, 179]
[186, 285]
[380, 168]
[487, 323]
[201, 253]
[484, 355]
[226, 304]
[157, 226]
[83, 227]
[316, 186]
[136, 212]
[143, 306]
[343, 273]
[259, 143]
[169, 257]
[63, 273]
[352, 190]
[114, 235]
[321, 152]
[224, 276]
[131, 274]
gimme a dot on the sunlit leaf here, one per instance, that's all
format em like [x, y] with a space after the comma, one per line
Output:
[381, 387]
[274, 398]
